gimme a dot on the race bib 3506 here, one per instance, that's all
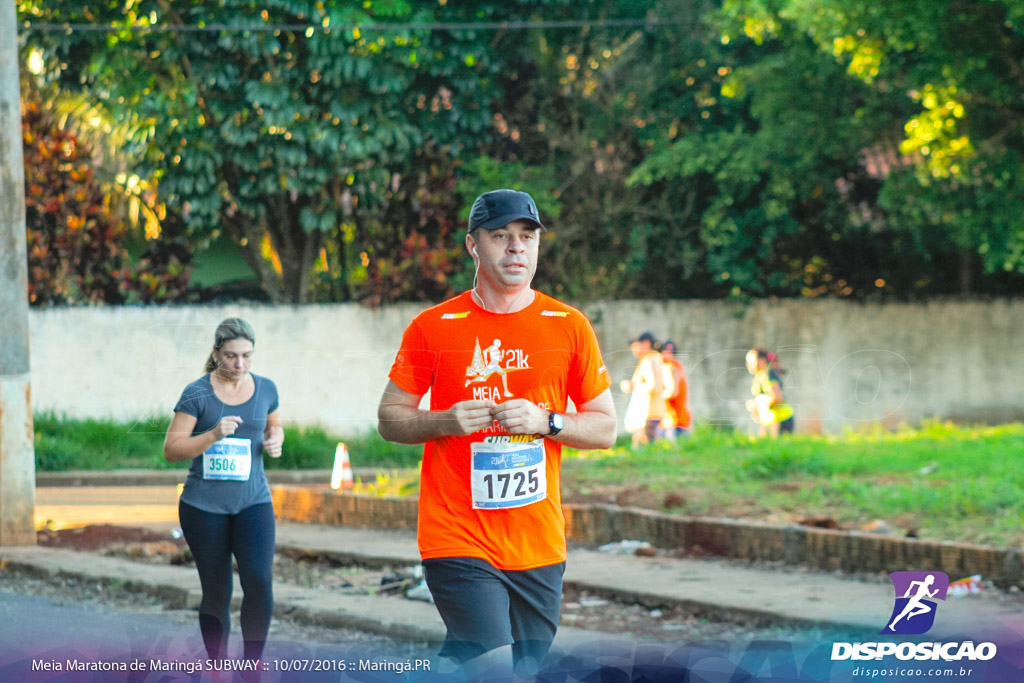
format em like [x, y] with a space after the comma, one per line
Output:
[229, 459]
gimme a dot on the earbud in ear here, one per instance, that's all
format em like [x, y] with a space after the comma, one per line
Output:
[474, 253]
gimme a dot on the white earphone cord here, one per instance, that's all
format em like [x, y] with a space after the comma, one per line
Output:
[476, 271]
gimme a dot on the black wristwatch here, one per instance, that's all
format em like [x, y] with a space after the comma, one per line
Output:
[555, 423]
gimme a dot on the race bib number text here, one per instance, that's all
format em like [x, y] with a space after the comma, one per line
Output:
[508, 475]
[230, 459]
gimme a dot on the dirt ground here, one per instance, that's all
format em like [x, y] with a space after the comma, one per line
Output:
[746, 509]
[105, 537]
[629, 495]
[580, 609]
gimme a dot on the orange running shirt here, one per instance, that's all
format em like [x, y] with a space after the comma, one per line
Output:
[546, 353]
[679, 404]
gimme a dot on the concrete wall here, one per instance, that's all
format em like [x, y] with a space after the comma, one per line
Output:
[847, 364]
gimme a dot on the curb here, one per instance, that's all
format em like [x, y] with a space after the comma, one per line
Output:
[178, 588]
[648, 598]
[304, 496]
[818, 549]
[177, 476]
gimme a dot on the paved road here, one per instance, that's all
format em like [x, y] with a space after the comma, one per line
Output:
[795, 595]
[40, 634]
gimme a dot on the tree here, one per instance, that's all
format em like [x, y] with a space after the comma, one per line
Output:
[745, 148]
[299, 142]
[952, 70]
[580, 111]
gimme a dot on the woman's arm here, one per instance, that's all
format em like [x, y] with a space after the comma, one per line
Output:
[179, 444]
[273, 435]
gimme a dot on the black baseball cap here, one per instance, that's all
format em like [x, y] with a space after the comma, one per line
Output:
[647, 337]
[498, 208]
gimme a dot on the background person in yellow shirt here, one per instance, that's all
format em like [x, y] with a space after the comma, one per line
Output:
[767, 408]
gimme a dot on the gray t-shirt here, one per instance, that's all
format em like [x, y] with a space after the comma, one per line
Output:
[228, 497]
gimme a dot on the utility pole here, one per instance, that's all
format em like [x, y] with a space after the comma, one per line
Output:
[17, 455]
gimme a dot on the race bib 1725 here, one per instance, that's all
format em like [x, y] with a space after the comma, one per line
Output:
[508, 475]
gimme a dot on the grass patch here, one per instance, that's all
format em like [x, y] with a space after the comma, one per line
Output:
[313, 448]
[946, 482]
[63, 443]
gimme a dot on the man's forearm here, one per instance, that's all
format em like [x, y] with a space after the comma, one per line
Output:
[590, 429]
[404, 424]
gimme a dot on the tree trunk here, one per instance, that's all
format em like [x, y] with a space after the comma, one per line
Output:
[248, 236]
[966, 273]
[296, 264]
[296, 249]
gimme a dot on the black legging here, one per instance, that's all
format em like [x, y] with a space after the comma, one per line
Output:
[213, 538]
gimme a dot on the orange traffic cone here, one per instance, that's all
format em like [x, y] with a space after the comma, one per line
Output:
[341, 476]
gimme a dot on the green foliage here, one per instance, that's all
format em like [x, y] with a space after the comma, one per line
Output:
[599, 101]
[63, 443]
[949, 77]
[787, 204]
[313, 448]
[949, 482]
[781, 462]
[77, 250]
[393, 483]
[784, 148]
[323, 148]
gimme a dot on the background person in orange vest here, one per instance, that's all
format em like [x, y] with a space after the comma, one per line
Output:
[677, 421]
[650, 387]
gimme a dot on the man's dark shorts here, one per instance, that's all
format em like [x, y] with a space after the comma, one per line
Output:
[486, 608]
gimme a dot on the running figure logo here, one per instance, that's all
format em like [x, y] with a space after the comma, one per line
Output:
[913, 613]
[486, 363]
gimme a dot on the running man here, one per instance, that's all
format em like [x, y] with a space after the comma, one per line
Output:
[914, 606]
[487, 364]
[491, 531]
